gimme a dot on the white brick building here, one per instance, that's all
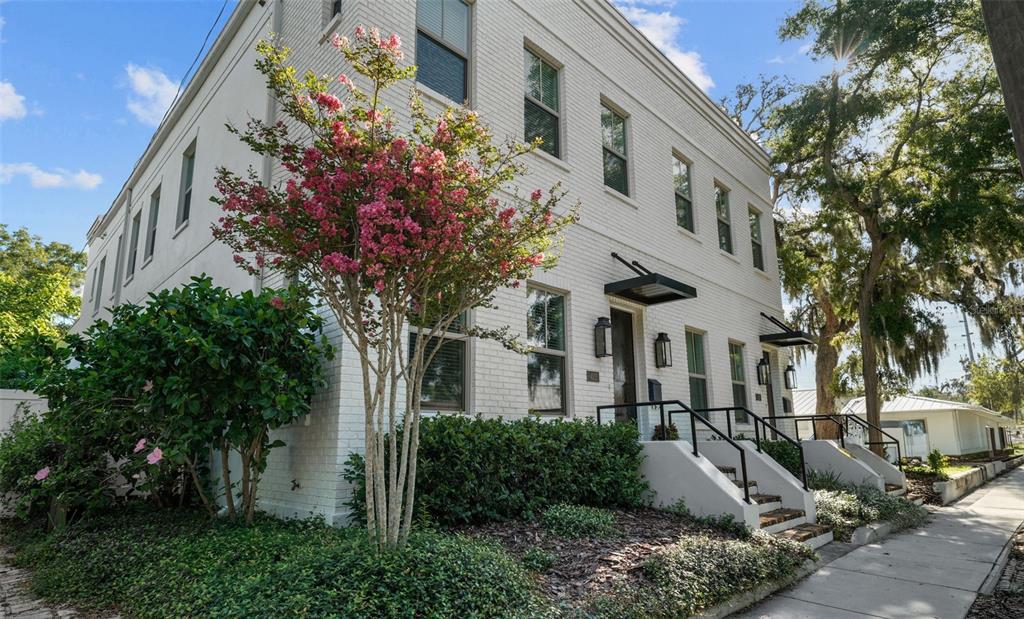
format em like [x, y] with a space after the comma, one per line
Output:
[592, 70]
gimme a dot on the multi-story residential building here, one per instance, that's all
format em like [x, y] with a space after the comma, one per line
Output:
[664, 177]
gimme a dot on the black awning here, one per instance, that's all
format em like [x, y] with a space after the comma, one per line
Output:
[648, 288]
[787, 337]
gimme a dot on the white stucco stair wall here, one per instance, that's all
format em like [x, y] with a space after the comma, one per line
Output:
[890, 473]
[828, 456]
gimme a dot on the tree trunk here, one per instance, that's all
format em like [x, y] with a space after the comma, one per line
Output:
[225, 472]
[869, 352]
[826, 360]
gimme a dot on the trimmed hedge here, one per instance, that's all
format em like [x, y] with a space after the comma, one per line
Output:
[178, 564]
[785, 453]
[474, 470]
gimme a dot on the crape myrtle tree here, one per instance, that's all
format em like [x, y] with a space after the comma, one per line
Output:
[908, 135]
[390, 227]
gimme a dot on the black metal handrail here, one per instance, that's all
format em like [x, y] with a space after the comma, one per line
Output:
[694, 417]
[814, 429]
[761, 428]
[867, 425]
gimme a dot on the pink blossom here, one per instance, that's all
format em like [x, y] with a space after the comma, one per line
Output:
[360, 31]
[148, 386]
[277, 302]
[139, 446]
[339, 41]
[535, 196]
[155, 456]
[346, 81]
[42, 473]
[328, 101]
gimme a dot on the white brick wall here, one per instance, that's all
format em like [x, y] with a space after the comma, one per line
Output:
[602, 58]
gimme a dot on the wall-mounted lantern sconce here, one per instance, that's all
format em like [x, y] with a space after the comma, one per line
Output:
[764, 372]
[603, 337]
[663, 351]
[790, 376]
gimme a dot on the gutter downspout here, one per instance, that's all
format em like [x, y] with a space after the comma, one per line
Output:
[270, 118]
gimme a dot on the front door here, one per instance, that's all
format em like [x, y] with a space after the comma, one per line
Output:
[623, 362]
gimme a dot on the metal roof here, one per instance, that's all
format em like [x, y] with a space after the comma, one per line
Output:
[920, 404]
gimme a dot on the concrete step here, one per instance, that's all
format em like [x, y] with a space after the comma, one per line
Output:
[895, 490]
[813, 535]
[781, 519]
[751, 483]
[762, 499]
[728, 471]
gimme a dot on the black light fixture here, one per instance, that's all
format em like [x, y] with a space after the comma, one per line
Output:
[764, 372]
[663, 351]
[603, 337]
[790, 376]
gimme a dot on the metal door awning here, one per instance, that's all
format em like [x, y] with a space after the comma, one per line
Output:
[787, 337]
[648, 288]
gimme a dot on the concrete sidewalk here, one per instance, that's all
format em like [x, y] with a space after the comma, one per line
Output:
[935, 571]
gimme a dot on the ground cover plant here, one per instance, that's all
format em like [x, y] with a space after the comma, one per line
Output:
[845, 507]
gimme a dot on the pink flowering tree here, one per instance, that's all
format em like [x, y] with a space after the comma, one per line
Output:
[390, 227]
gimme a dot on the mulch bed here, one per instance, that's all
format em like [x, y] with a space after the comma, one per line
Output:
[922, 488]
[584, 567]
[1008, 598]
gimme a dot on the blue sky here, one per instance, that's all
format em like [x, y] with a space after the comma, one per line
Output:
[84, 84]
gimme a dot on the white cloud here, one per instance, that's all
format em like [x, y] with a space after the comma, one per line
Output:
[41, 179]
[154, 92]
[663, 29]
[806, 47]
[776, 60]
[12, 105]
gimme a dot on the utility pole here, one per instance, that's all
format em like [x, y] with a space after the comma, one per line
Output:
[967, 334]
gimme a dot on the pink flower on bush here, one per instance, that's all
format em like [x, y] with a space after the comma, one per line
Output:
[155, 456]
[360, 31]
[328, 101]
[42, 473]
[148, 386]
[277, 302]
[535, 196]
[139, 446]
[346, 81]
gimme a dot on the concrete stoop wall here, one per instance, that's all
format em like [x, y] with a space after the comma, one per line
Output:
[963, 483]
[828, 457]
[891, 474]
[771, 477]
[674, 473]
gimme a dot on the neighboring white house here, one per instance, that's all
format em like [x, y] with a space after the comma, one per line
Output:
[14, 402]
[954, 428]
[665, 179]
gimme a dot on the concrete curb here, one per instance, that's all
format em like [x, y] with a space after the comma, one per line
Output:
[992, 580]
[749, 598]
[871, 533]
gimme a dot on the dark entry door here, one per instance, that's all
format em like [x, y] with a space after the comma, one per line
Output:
[623, 363]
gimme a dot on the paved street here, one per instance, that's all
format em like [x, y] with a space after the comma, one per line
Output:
[935, 571]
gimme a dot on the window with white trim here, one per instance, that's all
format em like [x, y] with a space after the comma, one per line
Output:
[445, 377]
[188, 164]
[133, 244]
[545, 363]
[683, 193]
[541, 118]
[98, 287]
[756, 247]
[613, 141]
[724, 218]
[737, 373]
[442, 47]
[154, 214]
[697, 368]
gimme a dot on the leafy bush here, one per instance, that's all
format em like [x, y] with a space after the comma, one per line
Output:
[578, 521]
[474, 470]
[537, 559]
[175, 563]
[26, 448]
[846, 509]
[699, 572]
[824, 480]
[672, 434]
[785, 453]
[936, 461]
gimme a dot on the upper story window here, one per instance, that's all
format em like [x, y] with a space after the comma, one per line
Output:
[684, 193]
[739, 380]
[445, 377]
[133, 244]
[756, 247]
[545, 364]
[724, 218]
[335, 8]
[188, 165]
[442, 47]
[154, 214]
[98, 284]
[695, 364]
[541, 104]
[613, 139]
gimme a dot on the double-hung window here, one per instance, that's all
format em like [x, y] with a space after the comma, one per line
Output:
[613, 141]
[133, 244]
[724, 218]
[188, 165]
[545, 364]
[98, 285]
[154, 213]
[684, 193]
[695, 364]
[541, 103]
[444, 379]
[739, 380]
[442, 47]
[756, 247]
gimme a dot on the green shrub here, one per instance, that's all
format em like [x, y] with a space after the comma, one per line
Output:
[473, 470]
[824, 480]
[672, 434]
[937, 461]
[537, 559]
[699, 572]
[785, 453]
[177, 564]
[846, 509]
[25, 449]
[578, 521]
